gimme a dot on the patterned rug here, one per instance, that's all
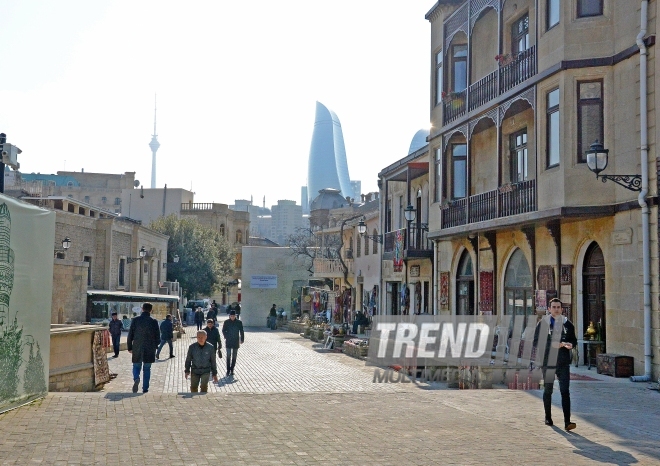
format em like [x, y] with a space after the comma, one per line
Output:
[582, 377]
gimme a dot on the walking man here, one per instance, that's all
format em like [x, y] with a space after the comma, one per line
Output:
[166, 335]
[272, 317]
[115, 326]
[143, 339]
[213, 335]
[200, 362]
[556, 359]
[232, 330]
[199, 318]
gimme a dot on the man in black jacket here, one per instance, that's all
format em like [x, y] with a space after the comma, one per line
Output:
[166, 335]
[115, 326]
[200, 361]
[212, 334]
[142, 341]
[560, 341]
[199, 318]
[232, 330]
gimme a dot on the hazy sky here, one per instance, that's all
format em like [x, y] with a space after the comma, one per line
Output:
[236, 80]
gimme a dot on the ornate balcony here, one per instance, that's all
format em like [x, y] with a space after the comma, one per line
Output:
[500, 81]
[331, 267]
[509, 199]
[415, 242]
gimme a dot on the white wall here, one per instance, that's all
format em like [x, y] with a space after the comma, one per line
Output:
[255, 303]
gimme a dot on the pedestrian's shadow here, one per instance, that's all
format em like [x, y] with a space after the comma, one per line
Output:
[115, 396]
[226, 381]
[597, 452]
[189, 395]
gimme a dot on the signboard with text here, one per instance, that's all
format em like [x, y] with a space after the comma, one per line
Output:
[263, 281]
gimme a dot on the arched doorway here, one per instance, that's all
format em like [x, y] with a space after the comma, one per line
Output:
[593, 280]
[465, 286]
[518, 291]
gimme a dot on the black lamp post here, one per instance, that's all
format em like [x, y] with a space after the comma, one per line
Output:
[410, 214]
[597, 157]
[362, 230]
[142, 253]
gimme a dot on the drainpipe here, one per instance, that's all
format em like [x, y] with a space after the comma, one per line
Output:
[646, 251]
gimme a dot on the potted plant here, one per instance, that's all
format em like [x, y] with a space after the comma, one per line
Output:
[504, 59]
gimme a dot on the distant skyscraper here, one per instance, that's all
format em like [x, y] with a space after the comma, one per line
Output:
[357, 189]
[304, 199]
[327, 167]
[154, 144]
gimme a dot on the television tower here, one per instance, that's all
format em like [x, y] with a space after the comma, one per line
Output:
[154, 144]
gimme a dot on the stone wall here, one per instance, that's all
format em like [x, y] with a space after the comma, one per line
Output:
[71, 360]
[69, 291]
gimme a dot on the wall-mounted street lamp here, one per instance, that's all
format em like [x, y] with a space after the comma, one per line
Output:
[362, 230]
[66, 243]
[597, 157]
[142, 252]
[410, 213]
[175, 260]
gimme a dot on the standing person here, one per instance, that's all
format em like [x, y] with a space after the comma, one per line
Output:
[115, 326]
[213, 334]
[272, 316]
[200, 362]
[557, 359]
[166, 335]
[199, 318]
[238, 310]
[232, 330]
[211, 314]
[143, 339]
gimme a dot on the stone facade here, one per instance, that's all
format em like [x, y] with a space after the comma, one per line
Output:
[532, 216]
[98, 259]
[71, 365]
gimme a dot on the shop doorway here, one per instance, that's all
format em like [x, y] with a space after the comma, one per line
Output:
[392, 299]
[465, 286]
[518, 292]
[593, 279]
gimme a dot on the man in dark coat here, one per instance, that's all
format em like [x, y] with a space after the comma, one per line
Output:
[115, 326]
[166, 335]
[142, 341]
[200, 363]
[199, 318]
[272, 317]
[232, 330]
[560, 340]
[212, 334]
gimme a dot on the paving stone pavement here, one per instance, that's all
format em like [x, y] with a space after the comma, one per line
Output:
[270, 417]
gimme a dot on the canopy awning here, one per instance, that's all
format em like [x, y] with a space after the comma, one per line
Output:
[130, 296]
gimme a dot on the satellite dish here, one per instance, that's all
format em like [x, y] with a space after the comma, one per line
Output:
[136, 183]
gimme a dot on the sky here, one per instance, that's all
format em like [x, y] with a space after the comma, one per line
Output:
[236, 83]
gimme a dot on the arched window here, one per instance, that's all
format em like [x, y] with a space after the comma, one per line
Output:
[222, 229]
[375, 243]
[358, 247]
[518, 292]
[465, 286]
[239, 236]
[366, 245]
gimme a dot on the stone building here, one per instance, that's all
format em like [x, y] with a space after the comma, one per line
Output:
[103, 259]
[519, 92]
[102, 190]
[407, 257]
[233, 225]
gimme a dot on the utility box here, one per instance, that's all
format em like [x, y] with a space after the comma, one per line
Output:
[10, 155]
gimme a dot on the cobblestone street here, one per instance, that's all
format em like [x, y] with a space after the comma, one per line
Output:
[291, 403]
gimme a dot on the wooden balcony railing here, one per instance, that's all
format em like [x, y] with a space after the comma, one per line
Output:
[332, 267]
[509, 199]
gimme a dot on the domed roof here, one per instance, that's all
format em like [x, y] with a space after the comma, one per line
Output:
[328, 198]
[418, 140]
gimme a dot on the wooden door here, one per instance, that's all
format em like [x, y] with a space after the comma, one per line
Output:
[593, 278]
